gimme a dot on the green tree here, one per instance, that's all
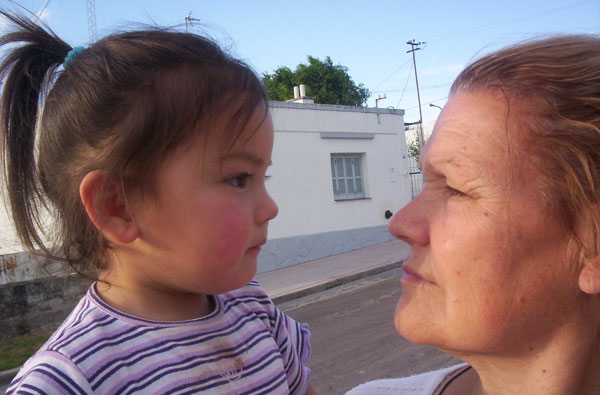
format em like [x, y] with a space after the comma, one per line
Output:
[326, 82]
[413, 148]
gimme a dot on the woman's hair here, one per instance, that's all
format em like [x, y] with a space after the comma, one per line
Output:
[556, 83]
[121, 106]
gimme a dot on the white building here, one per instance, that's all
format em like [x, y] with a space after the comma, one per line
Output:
[336, 171]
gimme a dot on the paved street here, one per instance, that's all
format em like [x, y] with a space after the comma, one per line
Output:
[353, 335]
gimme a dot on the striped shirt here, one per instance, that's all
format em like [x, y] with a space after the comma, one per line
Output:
[245, 346]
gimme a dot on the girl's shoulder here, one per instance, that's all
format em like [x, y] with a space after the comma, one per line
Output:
[251, 295]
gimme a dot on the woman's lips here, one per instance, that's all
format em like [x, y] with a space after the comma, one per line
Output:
[411, 276]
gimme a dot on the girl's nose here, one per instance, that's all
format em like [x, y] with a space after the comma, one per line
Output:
[410, 223]
[267, 210]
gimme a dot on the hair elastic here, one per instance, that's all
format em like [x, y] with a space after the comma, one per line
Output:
[72, 55]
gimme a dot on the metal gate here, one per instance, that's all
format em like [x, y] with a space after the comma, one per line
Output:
[416, 178]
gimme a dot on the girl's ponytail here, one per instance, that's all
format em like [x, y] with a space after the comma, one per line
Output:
[26, 71]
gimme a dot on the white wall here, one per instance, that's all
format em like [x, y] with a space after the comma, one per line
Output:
[301, 183]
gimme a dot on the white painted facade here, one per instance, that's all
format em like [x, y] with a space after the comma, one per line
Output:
[301, 181]
[305, 137]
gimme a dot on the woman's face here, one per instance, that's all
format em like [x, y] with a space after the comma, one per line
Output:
[490, 269]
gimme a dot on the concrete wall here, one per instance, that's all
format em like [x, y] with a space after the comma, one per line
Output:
[37, 305]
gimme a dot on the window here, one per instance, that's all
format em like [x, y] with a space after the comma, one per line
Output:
[347, 176]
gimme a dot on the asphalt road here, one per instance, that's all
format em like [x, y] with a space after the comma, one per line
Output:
[353, 337]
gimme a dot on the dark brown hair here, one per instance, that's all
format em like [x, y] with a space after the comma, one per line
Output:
[120, 106]
[556, 82]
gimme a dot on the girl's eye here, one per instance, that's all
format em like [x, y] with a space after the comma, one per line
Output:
[240, 181]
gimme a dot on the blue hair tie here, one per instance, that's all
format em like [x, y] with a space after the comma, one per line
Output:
[72, 55]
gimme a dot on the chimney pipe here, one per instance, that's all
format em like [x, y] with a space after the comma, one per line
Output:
[302, 90]
[296, 92]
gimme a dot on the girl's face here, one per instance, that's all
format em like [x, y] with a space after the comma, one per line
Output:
[204, 233]
[490, 269]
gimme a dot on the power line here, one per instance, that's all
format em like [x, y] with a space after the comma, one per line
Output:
[405, 84]
[433, 101]
[506, 22]
[373, 37]
[391, 75]
[396, 90]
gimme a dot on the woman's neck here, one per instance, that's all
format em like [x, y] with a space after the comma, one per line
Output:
[569, 364]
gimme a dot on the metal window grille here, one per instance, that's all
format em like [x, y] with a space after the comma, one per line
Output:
[347, 176]
[416, 178]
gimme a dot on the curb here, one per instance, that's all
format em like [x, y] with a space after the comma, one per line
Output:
[312, 289]
[6, 376]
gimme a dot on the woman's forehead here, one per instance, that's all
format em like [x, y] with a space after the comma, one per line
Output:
[470, 135]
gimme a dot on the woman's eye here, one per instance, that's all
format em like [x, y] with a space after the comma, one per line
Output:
[240, 181]
[454, 192]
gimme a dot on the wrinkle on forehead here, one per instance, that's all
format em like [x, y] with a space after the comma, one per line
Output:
[471, 137]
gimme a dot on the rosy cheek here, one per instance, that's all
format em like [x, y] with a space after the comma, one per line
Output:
[232, 235]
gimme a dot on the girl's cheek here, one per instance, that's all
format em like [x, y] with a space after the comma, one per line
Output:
[232, 235]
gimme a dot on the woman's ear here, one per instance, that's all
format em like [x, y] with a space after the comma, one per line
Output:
[589, 261]
[106, 206]
[589, 276]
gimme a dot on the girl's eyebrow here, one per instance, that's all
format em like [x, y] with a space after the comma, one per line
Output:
[247, 156]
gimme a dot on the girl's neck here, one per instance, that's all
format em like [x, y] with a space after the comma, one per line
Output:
[152, 303]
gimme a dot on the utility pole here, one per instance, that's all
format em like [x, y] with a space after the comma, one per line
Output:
[190, 20]
[415, 47]
[377, 104]
[91, 14]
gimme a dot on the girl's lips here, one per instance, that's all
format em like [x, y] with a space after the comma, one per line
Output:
[255, 249]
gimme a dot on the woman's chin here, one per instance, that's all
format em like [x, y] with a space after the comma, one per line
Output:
[409, 322]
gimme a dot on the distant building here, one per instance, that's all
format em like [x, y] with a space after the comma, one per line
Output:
[336, 171]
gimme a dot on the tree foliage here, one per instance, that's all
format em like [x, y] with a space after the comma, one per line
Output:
[325, 82]
[413, 148]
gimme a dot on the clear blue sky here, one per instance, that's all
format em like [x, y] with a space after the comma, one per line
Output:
[369, 37]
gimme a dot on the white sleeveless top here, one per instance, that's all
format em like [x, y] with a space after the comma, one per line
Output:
[429, 383]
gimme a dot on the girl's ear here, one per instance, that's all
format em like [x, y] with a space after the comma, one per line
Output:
[589, 276]
[106, 205]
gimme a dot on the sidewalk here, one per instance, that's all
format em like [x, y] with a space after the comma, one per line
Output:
[294, 282]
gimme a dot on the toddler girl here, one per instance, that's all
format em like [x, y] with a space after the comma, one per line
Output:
[150, 149]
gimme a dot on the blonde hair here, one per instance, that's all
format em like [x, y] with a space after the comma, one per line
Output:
[558, 80]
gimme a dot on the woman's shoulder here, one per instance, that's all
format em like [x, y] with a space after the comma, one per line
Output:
[428, 383]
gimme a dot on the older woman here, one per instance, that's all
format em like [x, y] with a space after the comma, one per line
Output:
[505, 267]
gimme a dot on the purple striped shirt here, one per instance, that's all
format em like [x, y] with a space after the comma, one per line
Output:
[245, 346]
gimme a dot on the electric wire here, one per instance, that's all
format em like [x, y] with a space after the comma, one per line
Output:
[405, 84]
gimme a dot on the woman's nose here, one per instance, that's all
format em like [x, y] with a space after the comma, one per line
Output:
[410, 223]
